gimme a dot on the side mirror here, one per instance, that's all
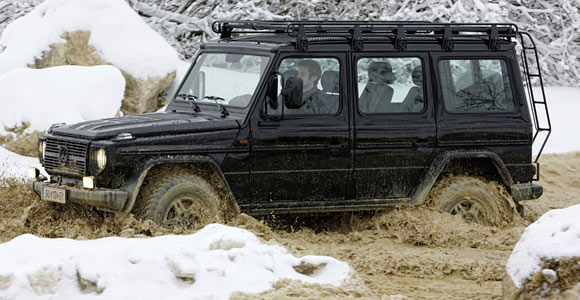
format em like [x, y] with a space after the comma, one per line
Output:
[292, 93]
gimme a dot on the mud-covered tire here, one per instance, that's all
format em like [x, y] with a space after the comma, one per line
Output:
[178, 198]
[477, 200]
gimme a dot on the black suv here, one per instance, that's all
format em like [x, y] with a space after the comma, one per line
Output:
[313, 116]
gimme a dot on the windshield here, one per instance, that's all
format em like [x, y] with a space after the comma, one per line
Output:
[231, 79]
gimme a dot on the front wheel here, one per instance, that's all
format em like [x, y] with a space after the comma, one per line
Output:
[178, 198]
[476, 200]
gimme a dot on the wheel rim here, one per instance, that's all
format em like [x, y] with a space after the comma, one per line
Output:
[470, 209]
[187, 212]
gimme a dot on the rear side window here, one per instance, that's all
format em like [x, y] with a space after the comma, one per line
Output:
[390, 85]
[476, 85]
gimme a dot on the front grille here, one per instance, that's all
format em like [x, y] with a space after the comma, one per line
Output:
[66, 155]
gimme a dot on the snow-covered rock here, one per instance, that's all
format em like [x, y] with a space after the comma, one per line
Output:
[67, 94]
[14, 166]
[547, 247]
[210, 264]
[93, 32]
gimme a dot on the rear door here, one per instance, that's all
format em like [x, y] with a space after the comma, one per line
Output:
[395, 129]
[481, 109]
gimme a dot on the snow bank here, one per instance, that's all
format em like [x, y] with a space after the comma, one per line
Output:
[210, 264]
[564, 109]
[13, 165]
[555, 235]
[67, 94]
[120, 36]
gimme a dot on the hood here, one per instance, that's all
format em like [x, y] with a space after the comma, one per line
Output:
[147, 125]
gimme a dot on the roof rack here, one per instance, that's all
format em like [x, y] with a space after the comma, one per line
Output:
[357, 32]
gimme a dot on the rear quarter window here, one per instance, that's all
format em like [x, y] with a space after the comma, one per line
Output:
[476, 85]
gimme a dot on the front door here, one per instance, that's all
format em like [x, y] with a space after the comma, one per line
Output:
[302, 155]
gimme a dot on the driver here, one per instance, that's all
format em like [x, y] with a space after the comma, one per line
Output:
[309, 71]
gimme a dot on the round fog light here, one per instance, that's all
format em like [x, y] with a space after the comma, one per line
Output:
[89, 182]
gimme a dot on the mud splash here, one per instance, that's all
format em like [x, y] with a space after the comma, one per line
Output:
[403, 253]
[292, 289]
[21, 212]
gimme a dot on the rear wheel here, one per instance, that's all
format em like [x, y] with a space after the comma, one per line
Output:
[178, 198]
[476, 200]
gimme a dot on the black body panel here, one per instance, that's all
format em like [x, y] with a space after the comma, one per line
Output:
[147, 124]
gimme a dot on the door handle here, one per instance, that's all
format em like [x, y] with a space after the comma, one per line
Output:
[421, 143]
[336, 148]
[269, 124]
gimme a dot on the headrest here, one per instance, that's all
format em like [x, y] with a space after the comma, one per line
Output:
[417, 76]
[330, 81]
[381, 72]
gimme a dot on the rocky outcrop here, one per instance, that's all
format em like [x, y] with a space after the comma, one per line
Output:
[558, 280]
[141, 95]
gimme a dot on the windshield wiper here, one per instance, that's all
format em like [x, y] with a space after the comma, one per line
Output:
[222, 108]
[191, 98]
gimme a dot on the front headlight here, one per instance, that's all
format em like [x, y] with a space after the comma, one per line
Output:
[41, 149]
[99, 158]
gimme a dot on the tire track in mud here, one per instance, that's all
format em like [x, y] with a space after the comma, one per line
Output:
[404, 253]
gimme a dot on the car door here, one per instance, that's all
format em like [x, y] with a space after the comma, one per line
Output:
[395, 131]
[481, 108]
[301, 155]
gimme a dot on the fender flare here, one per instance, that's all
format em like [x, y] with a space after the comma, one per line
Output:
[430, 174]
[133, 184]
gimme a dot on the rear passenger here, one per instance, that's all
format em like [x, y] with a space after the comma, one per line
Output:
[378, 94]
[330, 89]
[414, 102]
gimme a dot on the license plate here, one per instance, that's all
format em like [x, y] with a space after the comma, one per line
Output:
[54, 194]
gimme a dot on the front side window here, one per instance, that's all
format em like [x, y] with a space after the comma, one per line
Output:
[476, 85]
[320, 86]
[390, 85]
[230, 79]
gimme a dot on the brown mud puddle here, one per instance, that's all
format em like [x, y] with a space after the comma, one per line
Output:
[404, 253]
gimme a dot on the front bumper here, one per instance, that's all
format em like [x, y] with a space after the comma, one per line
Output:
[106, 199]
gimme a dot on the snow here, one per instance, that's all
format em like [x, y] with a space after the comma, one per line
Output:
[181, 71]
[66, 94]
[564, 109]
[120, 36]
[555, 235]
[15, 166]
[210, 264]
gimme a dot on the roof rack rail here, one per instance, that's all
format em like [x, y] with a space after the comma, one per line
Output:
[357, 32]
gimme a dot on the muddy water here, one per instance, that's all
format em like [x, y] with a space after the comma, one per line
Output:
[404, 253]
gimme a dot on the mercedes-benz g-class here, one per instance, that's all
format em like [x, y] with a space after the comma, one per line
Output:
[319, 116]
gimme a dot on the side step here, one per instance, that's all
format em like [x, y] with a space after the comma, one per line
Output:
[287, 207]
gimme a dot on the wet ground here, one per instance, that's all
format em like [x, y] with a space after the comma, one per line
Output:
[404, 253]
